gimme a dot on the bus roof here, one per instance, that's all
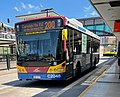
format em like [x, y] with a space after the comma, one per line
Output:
[79, 26]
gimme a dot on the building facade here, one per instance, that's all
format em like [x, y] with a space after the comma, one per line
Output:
[7, 40]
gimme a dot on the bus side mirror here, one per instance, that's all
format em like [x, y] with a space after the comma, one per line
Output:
[64, 34]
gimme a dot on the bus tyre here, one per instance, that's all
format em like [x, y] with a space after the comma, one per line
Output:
[78, 70]
[94, 63]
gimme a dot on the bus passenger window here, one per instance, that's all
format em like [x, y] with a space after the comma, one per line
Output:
[77, 42]
[96, 46]
[78, 46]
[88, 44]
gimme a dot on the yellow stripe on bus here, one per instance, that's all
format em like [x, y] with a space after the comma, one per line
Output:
[58, 68]
[21, 69]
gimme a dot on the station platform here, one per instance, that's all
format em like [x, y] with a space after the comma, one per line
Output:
[106, 85]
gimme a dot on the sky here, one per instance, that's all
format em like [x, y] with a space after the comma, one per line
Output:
[69, 8]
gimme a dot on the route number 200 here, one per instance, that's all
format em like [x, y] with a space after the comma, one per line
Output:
[50, 25]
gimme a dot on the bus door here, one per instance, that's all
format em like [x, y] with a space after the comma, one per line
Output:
[92, 56]
[70, 46]
[90, 51]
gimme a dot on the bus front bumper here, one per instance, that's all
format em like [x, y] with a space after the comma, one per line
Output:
[30, 76]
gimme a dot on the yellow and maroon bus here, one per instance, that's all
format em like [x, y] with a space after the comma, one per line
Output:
[54, 48]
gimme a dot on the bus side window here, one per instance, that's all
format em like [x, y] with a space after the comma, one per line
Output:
[95, 46]
[77, 42]
[71, 51]
[88, 44]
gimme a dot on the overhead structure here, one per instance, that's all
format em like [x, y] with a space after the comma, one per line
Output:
[109, 10]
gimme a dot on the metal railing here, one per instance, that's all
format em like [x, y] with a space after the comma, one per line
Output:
[7, 61]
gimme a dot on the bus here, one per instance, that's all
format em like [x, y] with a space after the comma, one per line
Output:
[111, 52]
[54, 48]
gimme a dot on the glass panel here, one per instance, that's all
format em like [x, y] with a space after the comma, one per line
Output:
[77, 42]
[100, 27]
[89, 44]
[40, 44]
[99, 33]
[90, 27]
[107, 29]
[96, 45]
[8, 50]
[5, 50]
[99, 21]
[1, 50]
[89, 22]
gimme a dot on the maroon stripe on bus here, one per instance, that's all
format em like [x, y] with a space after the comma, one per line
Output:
[37, 69]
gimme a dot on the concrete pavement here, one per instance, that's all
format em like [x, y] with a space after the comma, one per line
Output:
[107, 84]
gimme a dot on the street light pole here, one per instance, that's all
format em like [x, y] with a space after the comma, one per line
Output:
[1, 24]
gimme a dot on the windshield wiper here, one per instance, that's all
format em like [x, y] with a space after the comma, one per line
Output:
[22, 58]
[45, 58]
[27, 58]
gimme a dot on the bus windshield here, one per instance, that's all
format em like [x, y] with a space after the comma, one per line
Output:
[42, 45]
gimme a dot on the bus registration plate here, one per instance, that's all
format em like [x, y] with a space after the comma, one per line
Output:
[36, 77]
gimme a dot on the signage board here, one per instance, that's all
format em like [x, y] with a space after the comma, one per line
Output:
[39, 25]
[117, 26]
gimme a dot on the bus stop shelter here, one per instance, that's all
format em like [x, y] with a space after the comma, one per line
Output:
[109, 10]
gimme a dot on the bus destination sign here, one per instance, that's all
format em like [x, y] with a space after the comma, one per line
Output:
[39, 25]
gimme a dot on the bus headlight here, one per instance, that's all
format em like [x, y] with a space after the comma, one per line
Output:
[54, 63]
[60, 69]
